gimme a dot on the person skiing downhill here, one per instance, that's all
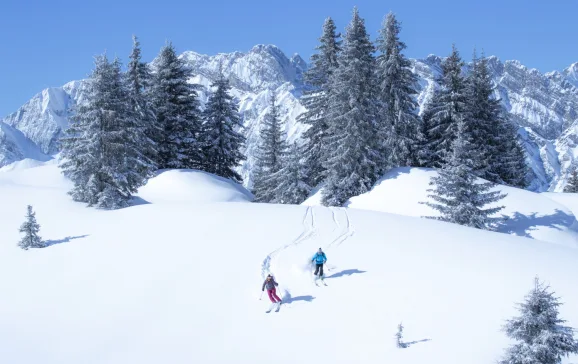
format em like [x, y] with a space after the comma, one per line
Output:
[319, 259]
[270, 285]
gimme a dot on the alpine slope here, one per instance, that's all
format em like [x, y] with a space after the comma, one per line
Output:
[177, 278]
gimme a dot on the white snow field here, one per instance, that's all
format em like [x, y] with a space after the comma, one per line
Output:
[542, 216]
[170, 282]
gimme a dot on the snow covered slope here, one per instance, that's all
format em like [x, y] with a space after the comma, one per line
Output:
[165, 282]
[15, 146]
[528, 214]
[191, 186]
[545, 106]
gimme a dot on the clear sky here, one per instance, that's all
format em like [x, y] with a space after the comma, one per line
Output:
[48, 43]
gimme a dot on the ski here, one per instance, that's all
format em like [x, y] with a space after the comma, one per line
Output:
[271, 307]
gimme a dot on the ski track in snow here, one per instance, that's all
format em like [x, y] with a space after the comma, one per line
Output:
[347, 233]
[308, 232]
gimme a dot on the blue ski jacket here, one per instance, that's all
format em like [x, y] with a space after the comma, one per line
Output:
[319, 258]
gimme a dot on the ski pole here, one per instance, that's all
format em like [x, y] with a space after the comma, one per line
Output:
[261, 296]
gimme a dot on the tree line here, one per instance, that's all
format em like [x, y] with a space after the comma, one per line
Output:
[363, 120]
[131, 124]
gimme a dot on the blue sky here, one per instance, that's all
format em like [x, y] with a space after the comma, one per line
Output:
[48, 43]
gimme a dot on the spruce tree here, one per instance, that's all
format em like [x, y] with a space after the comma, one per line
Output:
[221, 139]
[270, 153]
[397, 94]
[101, 150]
[572, 184]
[176, 104]
[316, 100]
[450, 106]
[511, 164]
[426, 156]
[354, 158]
[399, 336]
[501, 158]
[291, 179]
[542, 338]
[458, 197]
[30, 228]
[138, 80]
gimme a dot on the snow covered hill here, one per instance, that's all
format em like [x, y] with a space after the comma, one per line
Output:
[545, 106]
[534, 215]
[170, 282]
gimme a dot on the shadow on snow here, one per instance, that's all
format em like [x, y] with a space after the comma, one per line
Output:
[287, 298]
[408, 344]
[65, 240]
[522, 225]
[347, 272]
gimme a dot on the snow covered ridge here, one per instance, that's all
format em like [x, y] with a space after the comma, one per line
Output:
[544, 105]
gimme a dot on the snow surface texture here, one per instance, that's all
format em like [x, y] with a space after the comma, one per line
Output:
[526, 213]
[168, 282]
[545, 106]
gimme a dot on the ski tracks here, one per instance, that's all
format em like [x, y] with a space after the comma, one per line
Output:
[348, 230]
[308, 232]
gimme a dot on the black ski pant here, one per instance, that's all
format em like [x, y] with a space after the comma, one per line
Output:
[319, 268]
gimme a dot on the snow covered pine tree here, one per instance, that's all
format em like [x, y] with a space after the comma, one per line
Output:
[316, 100]
[448, 106]
[177, 108]
[397, 91]
[138, 79]
[501, 158]
[291, 179]
[459, 197]
[354, 160]
[221, 141]
[572, 185]
[101, 149]
[270, 154]
[542, 339]
[30, 228]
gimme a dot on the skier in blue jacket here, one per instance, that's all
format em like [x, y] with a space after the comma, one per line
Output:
[319, 259]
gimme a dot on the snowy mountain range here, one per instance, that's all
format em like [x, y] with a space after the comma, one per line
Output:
[545, 106]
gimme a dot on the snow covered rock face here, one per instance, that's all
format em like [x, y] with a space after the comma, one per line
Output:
[253, 76]
[14, 146]
[43, 118]
[545, 106]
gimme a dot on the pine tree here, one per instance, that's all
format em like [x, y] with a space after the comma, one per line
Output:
[291, 179]
[222, 142]
[399, 337]
[176, 104]
[426, 156]
[138, 80]
[450, 105]
[397, 93]
[270, 154]
[316, 100]
[501, 158]
[101, 151]
[511, 164]
[572, 184]
[354, 156]
[30, 228]
[542, 337]
[458, 197]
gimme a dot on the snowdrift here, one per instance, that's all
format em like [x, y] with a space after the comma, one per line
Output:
[192, 186]
[534, 215]
[180, 282]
